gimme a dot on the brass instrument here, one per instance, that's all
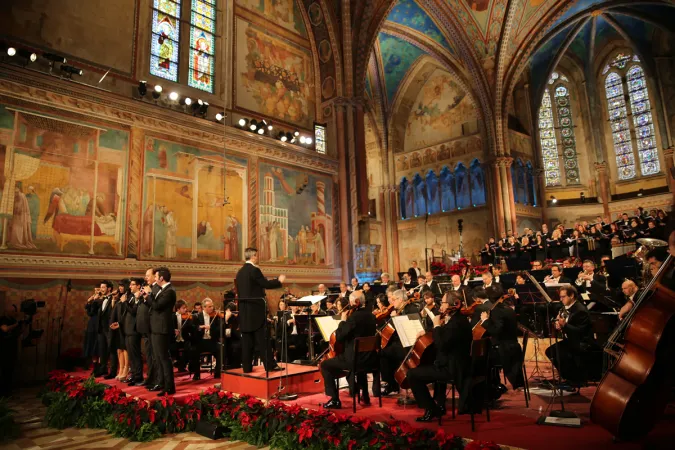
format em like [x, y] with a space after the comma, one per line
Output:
[647, 245]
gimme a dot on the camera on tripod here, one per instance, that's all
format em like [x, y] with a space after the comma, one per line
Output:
[30, 308]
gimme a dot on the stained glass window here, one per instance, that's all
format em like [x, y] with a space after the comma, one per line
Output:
[202, 44]
[618, 117]
[642, 121]
[566, 124]
[320, 138]
[549, 146]
[165, 39]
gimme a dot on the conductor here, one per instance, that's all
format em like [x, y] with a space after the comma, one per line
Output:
[251, 284]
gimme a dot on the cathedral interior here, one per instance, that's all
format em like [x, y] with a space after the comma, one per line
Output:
[342, 138]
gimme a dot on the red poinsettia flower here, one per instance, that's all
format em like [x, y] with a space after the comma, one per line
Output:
[306, 431]
[351, 444]
[245, 420]
[253, 402]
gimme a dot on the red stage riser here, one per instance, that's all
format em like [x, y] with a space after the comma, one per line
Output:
[303, 380]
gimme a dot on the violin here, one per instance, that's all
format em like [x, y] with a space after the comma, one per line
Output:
[213, 314]
[383, 315]
[186, 316]
[478, 330]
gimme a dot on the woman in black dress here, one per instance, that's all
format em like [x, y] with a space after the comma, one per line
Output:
[116, 335]
[554, 245]
[93, 307]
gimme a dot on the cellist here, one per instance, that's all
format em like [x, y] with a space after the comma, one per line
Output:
[453, 338]
[357, 322]
[393, 354]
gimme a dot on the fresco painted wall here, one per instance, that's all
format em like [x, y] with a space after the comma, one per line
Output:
[439, 111]
[183, 194]
[273, 76]
[282, 12]
[295, 216]
[63, 184]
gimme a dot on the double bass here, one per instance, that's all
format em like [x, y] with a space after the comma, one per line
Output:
[634, 391]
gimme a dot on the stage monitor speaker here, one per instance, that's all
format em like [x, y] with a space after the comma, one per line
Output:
[209, 430]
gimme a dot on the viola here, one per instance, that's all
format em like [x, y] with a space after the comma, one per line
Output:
[383, 315]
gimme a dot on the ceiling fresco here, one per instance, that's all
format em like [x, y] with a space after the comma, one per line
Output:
[397, 57]
[409, 13]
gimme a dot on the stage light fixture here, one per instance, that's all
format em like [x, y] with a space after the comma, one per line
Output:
[263, 123]
[173, 96]
[282, 136]
[254, 125]
[269, 127]
[296, 133]
[203, 108]
[186, 101]
[27, 55]
[11, 51]
[554, 200]
[220, 116]
[157, 91]
[308, 141]
[302, 139]
[641, 192]
[142, 88]
[242, 122]
[261, 130]
[70, 70]
[52, 58]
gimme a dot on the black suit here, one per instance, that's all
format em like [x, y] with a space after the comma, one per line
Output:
[360, 323]
[181, 350]
[393, 355]
[251, 284]
[143, 327]
[495, 291]
[503, 328]
[202, 345]
[434, 287]
[574, 355]
[133, 337]
[453, 361]
[104, 337]
[161, 324]
[413, 273]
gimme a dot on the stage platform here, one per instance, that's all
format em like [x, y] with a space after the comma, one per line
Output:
[301, 380]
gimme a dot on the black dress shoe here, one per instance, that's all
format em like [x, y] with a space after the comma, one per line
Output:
[109, 377]
[132, 383]
[197, 377]
[276, 369]
[429, 415]
[365, 401]
[155, 388]
[333, 404]
[388, 391]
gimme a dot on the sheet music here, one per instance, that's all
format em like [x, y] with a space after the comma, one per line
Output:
[407, 329]
[312, 299]
[585, 296]
[327, 325]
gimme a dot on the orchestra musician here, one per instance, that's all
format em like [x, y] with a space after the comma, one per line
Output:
[493, 289]
[331, 308]
[369, 296]
[588, 278]
[344, 291]
[480, 296]
[251, 284]
[132, 333]
[502, 324]
[414, 272]
[183, 325]
[433, 284]
[631, 293]
[355, 324]
[232, 337]
[161, 326]
[393, 354]
[421, 287]
[297, 344]
[574, 321]
[197, 308]
[556, 276]
[206, 338]
[322, 290]
[355, 286]
[452, 337]
[462, 290]
[429, 305]
[408, 282]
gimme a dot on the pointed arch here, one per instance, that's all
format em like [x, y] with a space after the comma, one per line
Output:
[477, 177]
[447, 179]
[433, 193]
[463, 188]
[420, 189]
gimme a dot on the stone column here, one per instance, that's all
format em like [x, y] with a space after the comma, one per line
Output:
[499, 205]
[603, 188]
[343, 177]
[134, 195]
[393, 200]
[668, 160]
[382, 214]
[507, 197]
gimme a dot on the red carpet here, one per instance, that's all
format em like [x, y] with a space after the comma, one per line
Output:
[184, 385]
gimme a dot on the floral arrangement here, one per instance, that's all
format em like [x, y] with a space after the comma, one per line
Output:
[80, 402]
[438, 268]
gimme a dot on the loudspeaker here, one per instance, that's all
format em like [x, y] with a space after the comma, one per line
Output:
[209, 430]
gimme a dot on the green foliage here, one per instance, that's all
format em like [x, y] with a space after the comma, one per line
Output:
[8, 428]
[95, 413]
[62, 411]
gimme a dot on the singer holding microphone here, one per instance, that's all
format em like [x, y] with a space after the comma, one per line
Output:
[251, 284]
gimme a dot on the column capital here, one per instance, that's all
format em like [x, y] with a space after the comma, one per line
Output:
[387, 189]
[601, 167]
[354, 102]
[503, 161]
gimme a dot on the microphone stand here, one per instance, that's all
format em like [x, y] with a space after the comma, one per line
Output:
[284, 347]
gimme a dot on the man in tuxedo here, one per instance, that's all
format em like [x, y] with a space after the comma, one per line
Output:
[433, 284]
[589, 280]
[408, 282]
[463, 291]
[429, 306]
[360, 323]
[493, 290]
[414, 271]
[104, 333]
[484, 305]
[251, 284]
[131, 333]
[547, 311]
[556, 276]
[571, 355]
[143, 327]
[631, 293]
[355, 286]
[207, 337]
[161, 326]
[184, 329]
[344, 291]
[322, 290]
[452, 338]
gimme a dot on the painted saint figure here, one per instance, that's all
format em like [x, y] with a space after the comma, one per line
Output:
[19, 235]
[34, 207]
[171, 230]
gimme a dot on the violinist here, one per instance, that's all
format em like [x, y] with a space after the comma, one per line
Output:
[197, 308]
[355, 286]
[485, 304]
[331, 308]
[429, 306]
[183, 325]
[461, 289]
[344, 291]
[421, 287]
[206, 339]
[432, 284]
[492, 289]
[359, 323]
[502, 324]
[369, 296]
[232, 336]
[578, 343]
[297, 344]
[453, 338]
[393, 354]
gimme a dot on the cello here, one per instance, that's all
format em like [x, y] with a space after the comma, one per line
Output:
[478, 329]
[634, 391]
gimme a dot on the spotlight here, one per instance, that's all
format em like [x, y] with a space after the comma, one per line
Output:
[282, 136]
[302, 139]
[54, 58]
[203, 108]
[70, 70]
[173, 96]
[186, 101]
[296, 133]
[269, 127]
[142, 88]
[220, 116]
[261, 130]
[308, 141]
[11, 51]
[242, 122]
[26, 54]
[157, 92]
[641, 192]
[263, 123]
[254, 125]
[554, 200]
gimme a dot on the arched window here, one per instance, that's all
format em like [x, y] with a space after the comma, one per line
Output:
[165, 44]
[477, 183]
[447, 190]
[463, 189]
[433, 194]
[420, 189]
[625, 74]
[519, 182]
[406, 198]
[552, 115]
[531, 186]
